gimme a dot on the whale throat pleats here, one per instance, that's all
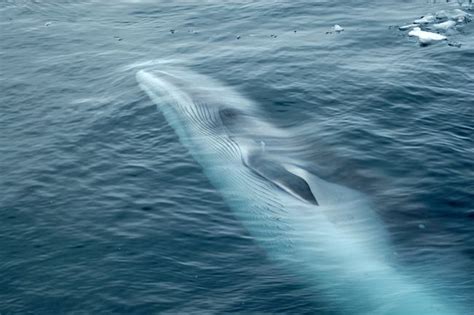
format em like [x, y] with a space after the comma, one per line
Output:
[232, 119]
[277, 174]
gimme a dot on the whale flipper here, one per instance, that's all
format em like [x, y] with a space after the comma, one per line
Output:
[281, 177]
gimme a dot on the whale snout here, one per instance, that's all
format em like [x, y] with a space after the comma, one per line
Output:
[158, 81]
[164, 87]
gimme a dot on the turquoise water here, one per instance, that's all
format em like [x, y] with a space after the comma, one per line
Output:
[103, 210]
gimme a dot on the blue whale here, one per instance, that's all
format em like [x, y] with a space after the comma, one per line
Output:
[325, 233]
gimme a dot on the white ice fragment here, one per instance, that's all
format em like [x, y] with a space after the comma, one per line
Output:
[407, 27]
[424, 37]
[441, 15]
[338, 28]
[425, 19]
[444, 26]
[459, 15]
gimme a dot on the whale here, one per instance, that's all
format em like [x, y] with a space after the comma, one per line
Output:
[327, 235]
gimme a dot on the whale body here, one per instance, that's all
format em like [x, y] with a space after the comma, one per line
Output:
[324, 233]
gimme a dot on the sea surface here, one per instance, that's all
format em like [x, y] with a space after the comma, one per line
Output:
[104, 211]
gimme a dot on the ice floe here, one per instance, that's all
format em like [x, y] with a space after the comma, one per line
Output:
[438, 26]
[426, 38]
[338, 28]
[444, 26]
[425, 19]
[407, 27]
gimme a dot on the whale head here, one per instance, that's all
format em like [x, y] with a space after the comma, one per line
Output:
[222, 125]
[185, 98]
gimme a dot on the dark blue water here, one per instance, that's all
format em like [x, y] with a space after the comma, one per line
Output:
[102, 209]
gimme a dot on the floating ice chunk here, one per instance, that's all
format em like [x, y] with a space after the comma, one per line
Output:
[455, 14]
[442, 15]
[425, 19]
[460, 16]
[407, 27]
[444, 26]
[338, 28]
[424, 37]
[455, 44]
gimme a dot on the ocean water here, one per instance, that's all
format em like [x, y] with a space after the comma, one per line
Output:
[103, 210]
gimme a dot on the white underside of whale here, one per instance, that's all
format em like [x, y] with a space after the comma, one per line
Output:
[339, 247]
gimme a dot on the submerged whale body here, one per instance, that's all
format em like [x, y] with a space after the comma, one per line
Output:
[324, 233]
